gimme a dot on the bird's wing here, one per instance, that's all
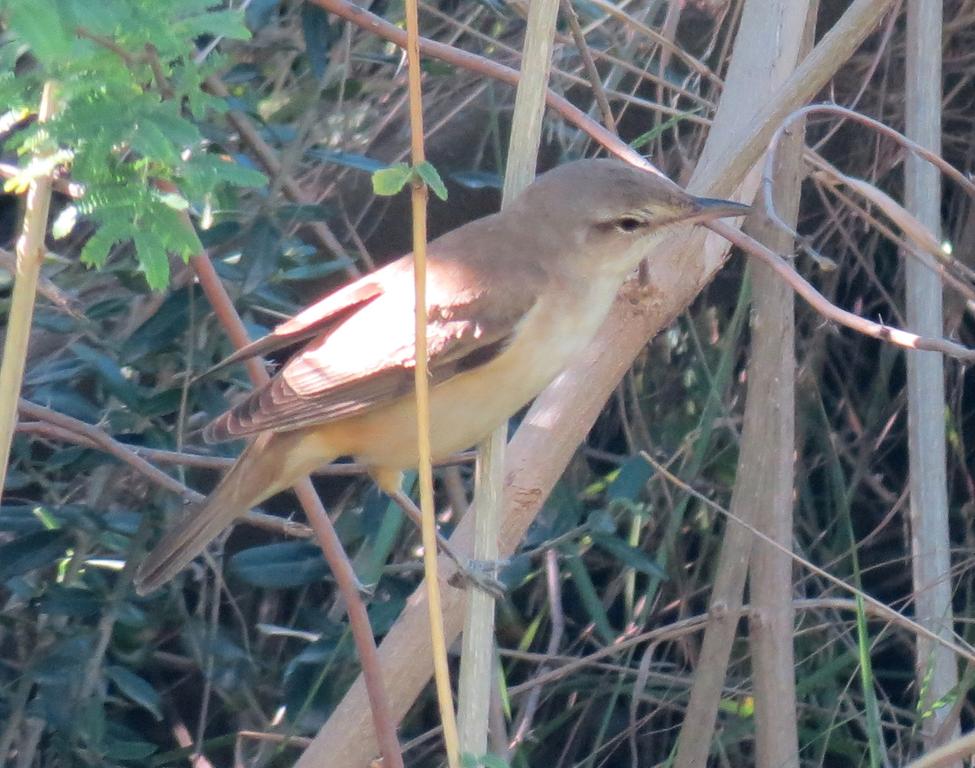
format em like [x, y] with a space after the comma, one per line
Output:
[317, 318]
[367, 359]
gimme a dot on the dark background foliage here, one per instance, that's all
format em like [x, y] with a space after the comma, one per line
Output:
[91, 674]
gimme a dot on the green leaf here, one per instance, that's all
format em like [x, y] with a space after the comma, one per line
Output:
[601, 521]
[70, 601]
[161, 330]
[39, 24]
[437, 68]
[109, 373]
[95, 252]
[135, 750]
[635, 558]
[653, 133]
[279, 566]
[136, 689]
[153, 259]
[477, 179]
[432, 179]
[389, 181]
[204, 171]
[240, 175]
[31, 551]
[259, 256]
[318, 35]
[347, 159]
[631, 479]
[176, 128]
[152, 143]
[177, 237]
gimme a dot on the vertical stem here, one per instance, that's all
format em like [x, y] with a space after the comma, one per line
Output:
[422, 385]
[30, 256]
[526, 130]
[936, 670]
[765, 56]
[477, 656]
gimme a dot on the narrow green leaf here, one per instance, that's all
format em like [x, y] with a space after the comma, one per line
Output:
[477, 179]
[31, 551]
[318, 35]
[588, 594]
[347, 159]
[279, 566]
[260, 255]
[635, 558]
[136, 689]
[651, 135]
[431, 177]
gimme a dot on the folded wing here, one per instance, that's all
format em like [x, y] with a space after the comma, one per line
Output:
[366, 358]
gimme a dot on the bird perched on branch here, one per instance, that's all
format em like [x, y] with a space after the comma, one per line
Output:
[511, 299]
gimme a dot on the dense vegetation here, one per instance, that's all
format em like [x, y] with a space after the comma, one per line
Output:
[157, 110]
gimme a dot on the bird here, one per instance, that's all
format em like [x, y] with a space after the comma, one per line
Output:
[512, 298]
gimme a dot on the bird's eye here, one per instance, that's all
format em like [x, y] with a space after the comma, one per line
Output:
[629, 224]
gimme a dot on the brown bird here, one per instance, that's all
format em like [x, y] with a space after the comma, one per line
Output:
[512, 298]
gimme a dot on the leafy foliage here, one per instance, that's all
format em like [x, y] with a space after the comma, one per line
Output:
[390, 181]
[130, 95]
[618, 561]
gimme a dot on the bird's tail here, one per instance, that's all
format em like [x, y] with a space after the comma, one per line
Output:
[268, 465]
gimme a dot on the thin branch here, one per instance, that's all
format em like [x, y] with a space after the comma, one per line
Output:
[66, 429]
[830, 311]
[45, 287]
[579, 37]
[100, 439]
[473, 63]
[885, 130]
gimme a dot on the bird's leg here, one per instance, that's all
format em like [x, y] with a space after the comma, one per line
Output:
[479, 578]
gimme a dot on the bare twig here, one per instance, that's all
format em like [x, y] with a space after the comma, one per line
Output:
[830, 311]
[108, 444]
[885, 130]
[592, 73]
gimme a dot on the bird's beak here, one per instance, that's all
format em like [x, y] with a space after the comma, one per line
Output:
[708, 208]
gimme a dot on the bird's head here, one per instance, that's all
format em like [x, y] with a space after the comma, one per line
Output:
[605, 210]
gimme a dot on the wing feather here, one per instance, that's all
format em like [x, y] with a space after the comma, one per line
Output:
[367, 359]
[318, 318]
